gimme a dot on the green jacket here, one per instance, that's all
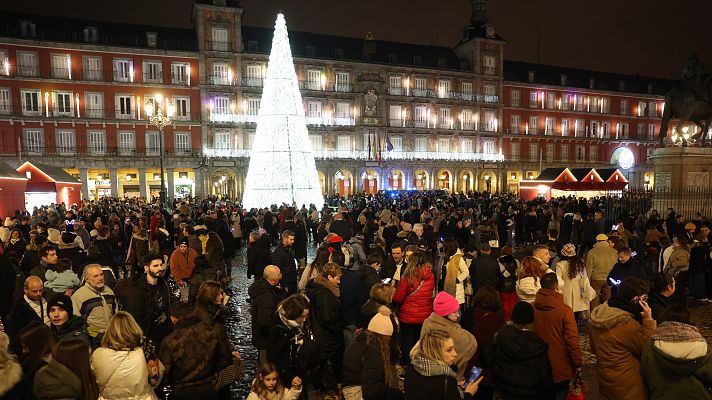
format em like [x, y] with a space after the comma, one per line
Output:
[672, 378]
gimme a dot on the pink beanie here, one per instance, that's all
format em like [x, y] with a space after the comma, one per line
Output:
[445, 304]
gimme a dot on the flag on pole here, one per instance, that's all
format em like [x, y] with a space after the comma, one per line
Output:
[389, 145]
[378, 146]
[369, 145]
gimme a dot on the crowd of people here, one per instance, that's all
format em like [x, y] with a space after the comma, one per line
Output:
[410, 295]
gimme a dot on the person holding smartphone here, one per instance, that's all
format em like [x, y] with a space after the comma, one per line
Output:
[620, 328]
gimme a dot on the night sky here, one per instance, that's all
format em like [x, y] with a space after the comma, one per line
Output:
[651, 38]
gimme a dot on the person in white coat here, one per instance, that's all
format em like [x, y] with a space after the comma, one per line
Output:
[577, 290]
[453, 272]
[528, 282]
[119, 365]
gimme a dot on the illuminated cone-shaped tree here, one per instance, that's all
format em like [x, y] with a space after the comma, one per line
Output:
[282, 168]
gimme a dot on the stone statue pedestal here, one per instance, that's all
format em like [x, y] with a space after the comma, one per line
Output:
[683, 180]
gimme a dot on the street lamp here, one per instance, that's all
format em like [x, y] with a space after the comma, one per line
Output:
[160, 116]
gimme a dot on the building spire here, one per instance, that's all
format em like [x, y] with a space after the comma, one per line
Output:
[479, 13]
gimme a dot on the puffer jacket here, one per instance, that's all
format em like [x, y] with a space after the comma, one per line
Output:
[520, 364]
[679, 261]
[121, 374]
[325, 318]
[618, 339]
[415, 304]
[677, 368]
[54, 381]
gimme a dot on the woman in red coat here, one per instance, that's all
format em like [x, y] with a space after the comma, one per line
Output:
[415, 297]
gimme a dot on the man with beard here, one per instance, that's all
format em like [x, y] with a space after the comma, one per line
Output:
[283, 258]
[148, 299]
[94, 302]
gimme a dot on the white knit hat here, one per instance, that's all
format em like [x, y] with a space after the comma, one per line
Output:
[381, 322]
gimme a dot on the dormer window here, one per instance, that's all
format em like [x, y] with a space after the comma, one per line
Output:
[417, 60]
[564, 79]
[151, 39]
[28, 29]
[338, 53]
[392, 58]
[531, 76]
[91, 34]
[252, 45]
[441, 62]
[310, 51]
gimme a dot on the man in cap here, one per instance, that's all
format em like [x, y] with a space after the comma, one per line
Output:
[599, 262]
[183, 262]
[65, 325]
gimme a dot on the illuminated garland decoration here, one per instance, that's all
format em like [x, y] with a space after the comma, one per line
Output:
[282, 168]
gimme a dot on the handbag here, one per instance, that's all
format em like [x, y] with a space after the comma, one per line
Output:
[575, 388]
[228, 375]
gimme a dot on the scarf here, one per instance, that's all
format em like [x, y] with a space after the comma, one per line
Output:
[204, 243]
[427, 367]
[324, 281]
[671, 331]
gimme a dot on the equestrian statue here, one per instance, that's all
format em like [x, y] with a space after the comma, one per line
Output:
[690, 100]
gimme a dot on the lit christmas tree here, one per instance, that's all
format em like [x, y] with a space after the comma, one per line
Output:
[282, 168]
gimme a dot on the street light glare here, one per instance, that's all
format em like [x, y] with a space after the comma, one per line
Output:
[159, 97]
[149, 109]
[171, 110]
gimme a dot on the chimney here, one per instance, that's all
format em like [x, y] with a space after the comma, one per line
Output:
[369, 46]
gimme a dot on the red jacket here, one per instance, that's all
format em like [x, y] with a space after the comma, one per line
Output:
[555, 324]
[417, 307]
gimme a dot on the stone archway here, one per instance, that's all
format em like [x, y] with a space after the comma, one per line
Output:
[466, 181]
[488, 181]
[444, 179]
[421, 179]
[223, 183]
[322, 182]
[344, 182]
[370, 179]
[396, 180]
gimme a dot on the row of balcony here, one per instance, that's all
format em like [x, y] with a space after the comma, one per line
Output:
[97, 75]
[84, 112]
[244, 153]
[441, 94]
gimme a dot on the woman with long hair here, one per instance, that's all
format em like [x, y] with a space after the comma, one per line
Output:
[431, 375]
[508, 267]
[68, 373]
[453, 271]
[577, 289]
[369, 373]
[119, 364]
[36, 342]
[316, 267]
[528, 281]
[415, 297]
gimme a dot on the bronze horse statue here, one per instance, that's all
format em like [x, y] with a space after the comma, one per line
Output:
[686, 104]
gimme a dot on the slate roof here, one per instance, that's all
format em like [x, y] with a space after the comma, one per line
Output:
[56, 173]
[580, 173]
[517, 71]
[7, 171]
[550, 174]
[62, 29]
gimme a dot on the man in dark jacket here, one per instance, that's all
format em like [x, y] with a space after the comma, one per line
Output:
[300, 239]
[283, 258]
[148, 299]
[48, 260]
[30, 307]
[394, 265]
[626, 266]
[65, 325]
[265, 295]
[484, 270]
[340, 227]
[368, 275]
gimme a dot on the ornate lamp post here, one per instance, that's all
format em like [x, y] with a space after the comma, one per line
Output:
[160, 116]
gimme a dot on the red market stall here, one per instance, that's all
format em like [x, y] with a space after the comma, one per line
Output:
[580, 182]
[12, 190]
[48, 184]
